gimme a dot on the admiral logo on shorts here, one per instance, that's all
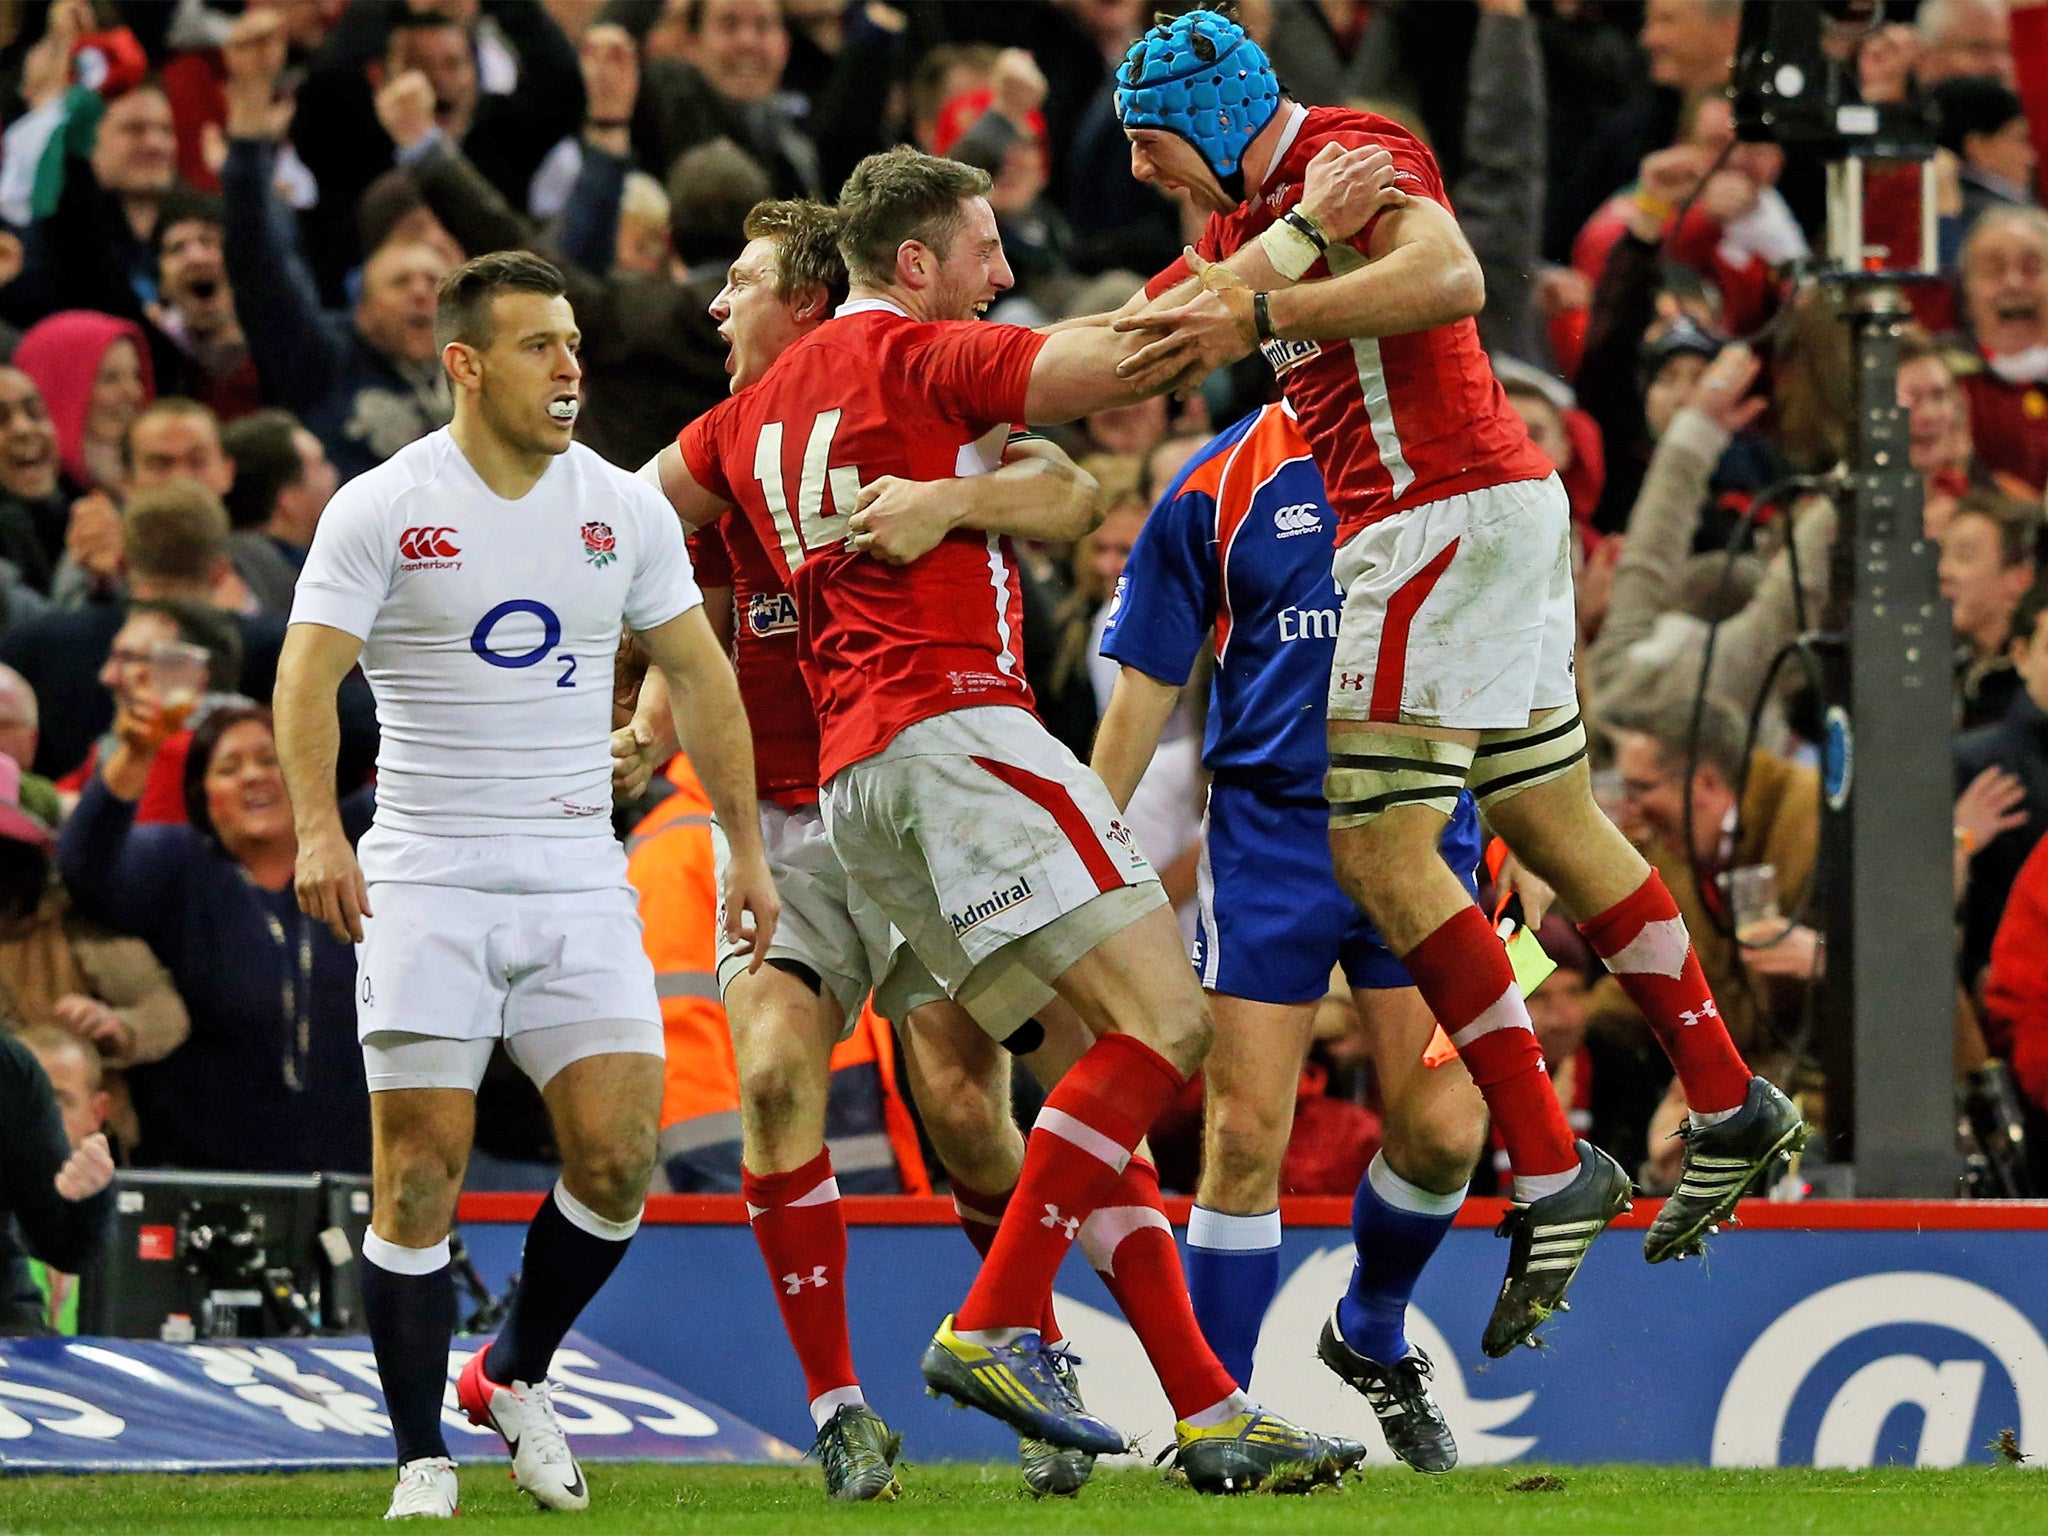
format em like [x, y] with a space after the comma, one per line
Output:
[1292, 522]
[771, 613]
[428, 549]
[982, 911]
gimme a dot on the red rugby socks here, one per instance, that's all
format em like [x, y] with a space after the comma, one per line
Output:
[802, 1234]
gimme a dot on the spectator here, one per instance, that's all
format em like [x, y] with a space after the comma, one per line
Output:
[1938, 421]
[2005, 299]
[282, 484]
[209, 356]
[1761, 989]
[176, 549]
[643, 246]
[728, 84]
[73, 1068]
[55, 1194]
[1982, 124]
[1959, 38]
[94, 374]
[2018, 744]
[1988, 556]
[1690, 45]
[20, 726]
[376, 46]
[280, 1024]
[60, 971]
[33, 507]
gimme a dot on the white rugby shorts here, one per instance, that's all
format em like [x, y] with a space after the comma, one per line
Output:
[1000, 858]
[1459, 613]
[828, 924]
[551, 941]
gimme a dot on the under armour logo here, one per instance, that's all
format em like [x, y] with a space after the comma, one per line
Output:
[1351, 682]
[1053, 1218]
[1708, 1011]
[793, 1284]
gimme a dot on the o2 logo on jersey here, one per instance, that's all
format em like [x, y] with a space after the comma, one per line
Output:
[771, 613]
[428, 549]
[1901, 1366]
[480, 639]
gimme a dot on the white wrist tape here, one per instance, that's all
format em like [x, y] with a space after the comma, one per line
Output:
[1290, 251]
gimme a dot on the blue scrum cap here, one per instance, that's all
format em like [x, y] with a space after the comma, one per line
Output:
[1200, 76]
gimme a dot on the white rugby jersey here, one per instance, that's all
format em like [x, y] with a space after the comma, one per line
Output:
[489, 629]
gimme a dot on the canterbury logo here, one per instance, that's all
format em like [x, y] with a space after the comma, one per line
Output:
[793, 1284]
[427, 544]
[1305, 517]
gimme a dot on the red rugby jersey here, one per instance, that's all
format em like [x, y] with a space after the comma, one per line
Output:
[873, 392]
[1394, 421]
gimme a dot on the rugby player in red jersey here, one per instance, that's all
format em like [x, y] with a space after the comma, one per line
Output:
[986, 843]
[1453, 666]
[834, 946]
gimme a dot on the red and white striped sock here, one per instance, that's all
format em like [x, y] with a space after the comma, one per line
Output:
[1643, 940]
[801, 1230]
[1130, 1244]
[1464, 974]
[1078, 1150]
[980, 1215]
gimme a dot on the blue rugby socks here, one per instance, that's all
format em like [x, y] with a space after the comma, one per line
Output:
[1233, 1272]
[1396, 1226]
[570, 1252]
[409, 1305]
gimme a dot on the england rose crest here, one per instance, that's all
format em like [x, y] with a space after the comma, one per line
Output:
[599, 547]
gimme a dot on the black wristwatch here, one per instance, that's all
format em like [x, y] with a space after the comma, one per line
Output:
[1262, 317]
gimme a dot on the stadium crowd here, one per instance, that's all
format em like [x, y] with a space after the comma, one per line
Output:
[224, 224]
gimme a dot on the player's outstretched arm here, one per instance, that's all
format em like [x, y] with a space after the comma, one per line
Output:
[1139, 705]
[711, 723]
[1039, 493]
[310, 668]
[669, 474]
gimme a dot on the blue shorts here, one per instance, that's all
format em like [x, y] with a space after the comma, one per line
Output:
[1273, 920]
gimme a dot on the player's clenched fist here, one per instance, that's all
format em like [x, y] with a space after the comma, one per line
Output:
[897, 520]
[87, 1171]
[635, 756]
[329, 884]
[751, 906]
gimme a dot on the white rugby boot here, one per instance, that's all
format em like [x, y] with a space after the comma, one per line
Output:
[524, 1414]
[425, 1491]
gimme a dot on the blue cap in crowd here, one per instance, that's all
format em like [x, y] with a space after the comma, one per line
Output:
[1201, 77]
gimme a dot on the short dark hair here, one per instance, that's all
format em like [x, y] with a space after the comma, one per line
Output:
[806, 236]
[385, 204]
[1723, 742]
[206, 735]
[2018, 522]
[463, 310]
[2027, 615]
[175, 532]
[161, 406]
[184, 205]
[710, 190]
[405, 20]
[207, 627]
[266, 456]
[902, 194]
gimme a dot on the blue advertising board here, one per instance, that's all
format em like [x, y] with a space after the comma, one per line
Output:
[1785, 1347]
[111, 1405]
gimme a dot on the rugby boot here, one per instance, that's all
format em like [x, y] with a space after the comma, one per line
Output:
[524, 1413]
[1548, 1239]
[1400, 1400]
[1257, 1449]
[858, 1452]
[425, 1491]
[1019, 1384]
[1723, 1162]
[1052, 1471]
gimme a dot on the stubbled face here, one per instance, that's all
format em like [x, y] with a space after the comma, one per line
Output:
[1169, 162]
[396, 311]
[973, 269]
[28, 441]
[1937, 418]
[193, 276]
[530, 376]
[178, 446]
[136, 151]
[741, 46]
[2005, 283]
[118, 393]
[754, 321]
[245, 794]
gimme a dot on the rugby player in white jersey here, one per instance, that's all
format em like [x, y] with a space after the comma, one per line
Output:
[483, 577]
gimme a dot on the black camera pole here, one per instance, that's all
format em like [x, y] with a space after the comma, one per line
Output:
[1888, 1003]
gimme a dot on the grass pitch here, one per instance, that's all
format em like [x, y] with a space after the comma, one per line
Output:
[651, 1501]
